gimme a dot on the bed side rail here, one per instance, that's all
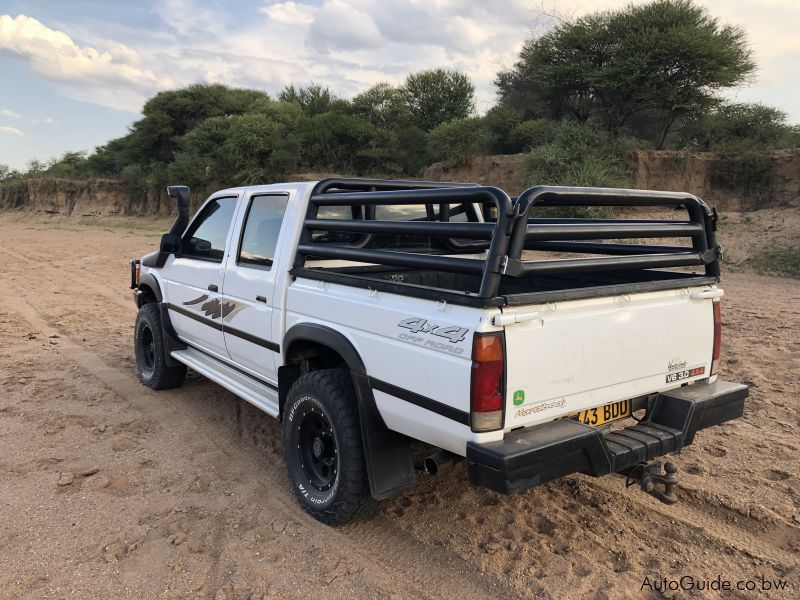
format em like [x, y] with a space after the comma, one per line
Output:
[571, 235]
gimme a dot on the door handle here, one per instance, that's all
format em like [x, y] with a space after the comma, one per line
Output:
[261, 299]
[213, 288]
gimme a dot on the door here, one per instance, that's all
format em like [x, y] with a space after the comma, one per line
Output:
[194, 278]
[250, 286]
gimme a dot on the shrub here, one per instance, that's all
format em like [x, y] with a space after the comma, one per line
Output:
[529, 134]
[741, 128]
[579, 155]
[456, 141]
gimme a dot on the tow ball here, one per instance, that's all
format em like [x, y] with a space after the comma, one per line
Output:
[648, 476]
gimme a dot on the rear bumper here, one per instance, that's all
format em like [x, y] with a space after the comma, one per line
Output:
[529, 457]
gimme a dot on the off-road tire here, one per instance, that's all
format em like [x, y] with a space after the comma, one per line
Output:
[150, 350]
[321, 405]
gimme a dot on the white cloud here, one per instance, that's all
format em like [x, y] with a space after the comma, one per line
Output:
[339, 26]
[289, 13]
[4, 112]
[11, 131]
[345, 44]
[54, 55]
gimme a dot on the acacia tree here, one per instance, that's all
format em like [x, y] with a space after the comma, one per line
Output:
[669, 56]
[437, 96]
[383, 105]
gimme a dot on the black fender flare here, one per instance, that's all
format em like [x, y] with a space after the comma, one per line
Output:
[171, 340]
[390, 466]
[149, 280]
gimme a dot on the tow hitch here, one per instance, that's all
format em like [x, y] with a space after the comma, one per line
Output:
[649, 476]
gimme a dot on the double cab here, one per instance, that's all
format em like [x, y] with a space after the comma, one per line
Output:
[564, 330]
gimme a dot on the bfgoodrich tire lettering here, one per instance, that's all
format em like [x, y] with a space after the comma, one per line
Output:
[323, 449]
[150, 350]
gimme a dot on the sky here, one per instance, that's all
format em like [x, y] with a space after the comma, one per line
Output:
[75, 73]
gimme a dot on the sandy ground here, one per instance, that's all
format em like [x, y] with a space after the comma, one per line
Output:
[110, 490]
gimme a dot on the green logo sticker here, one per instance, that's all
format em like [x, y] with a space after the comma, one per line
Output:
[519, 397]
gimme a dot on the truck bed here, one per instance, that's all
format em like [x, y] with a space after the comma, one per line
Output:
[460, 288]
[476, 246]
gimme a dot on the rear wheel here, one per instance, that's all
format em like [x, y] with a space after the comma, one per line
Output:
[150, 350]
[322, 447]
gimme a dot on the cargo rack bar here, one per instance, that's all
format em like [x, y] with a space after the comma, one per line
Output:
[513, 230]
[700, 228]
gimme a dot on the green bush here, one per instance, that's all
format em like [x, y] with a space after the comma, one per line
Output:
[336, 141]
[134, 179]
[741, 128]
[456, 141]
[751, 173]
[499, 121]
[580, 155]
[529, 134]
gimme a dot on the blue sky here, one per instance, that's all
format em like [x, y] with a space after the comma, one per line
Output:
[74, 74]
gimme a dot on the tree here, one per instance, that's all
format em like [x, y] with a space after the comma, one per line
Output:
[668, 56]
[337, 141]
[314, 99]
[383, 105]
[72, 165]
[35, 167]
[437, 96]
[169, 115]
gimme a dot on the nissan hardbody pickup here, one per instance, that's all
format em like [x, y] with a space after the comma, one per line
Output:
[504, 331]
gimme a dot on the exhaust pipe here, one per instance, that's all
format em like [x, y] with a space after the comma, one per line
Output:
[434, 463]
[181, 194]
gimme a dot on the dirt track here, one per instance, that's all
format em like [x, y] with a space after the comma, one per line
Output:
[112, 491]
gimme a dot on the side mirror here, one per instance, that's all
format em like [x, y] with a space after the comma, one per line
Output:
[170, 244]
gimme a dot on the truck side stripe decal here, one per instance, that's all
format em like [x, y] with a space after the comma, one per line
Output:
[229, 330]
[430, 404]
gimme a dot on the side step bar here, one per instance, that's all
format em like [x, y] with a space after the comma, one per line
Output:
[259, 394]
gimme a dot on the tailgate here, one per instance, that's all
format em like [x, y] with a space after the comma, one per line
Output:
[584, 353]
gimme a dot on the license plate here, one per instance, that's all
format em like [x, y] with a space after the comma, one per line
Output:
[600, 415]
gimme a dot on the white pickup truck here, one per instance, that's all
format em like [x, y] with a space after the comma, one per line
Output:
[367, 314]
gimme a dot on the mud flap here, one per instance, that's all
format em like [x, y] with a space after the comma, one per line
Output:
[390, 466]
[171, 341]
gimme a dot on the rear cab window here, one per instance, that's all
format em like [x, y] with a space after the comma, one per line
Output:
[260, 231]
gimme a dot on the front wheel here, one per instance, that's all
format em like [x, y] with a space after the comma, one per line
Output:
[151, 353]
[322, 447]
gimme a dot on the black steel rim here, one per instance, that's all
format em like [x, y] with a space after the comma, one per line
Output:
[148, 347]
[317, 448]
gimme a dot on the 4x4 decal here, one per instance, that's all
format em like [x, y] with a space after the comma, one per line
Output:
[215, 308]
[419, 327]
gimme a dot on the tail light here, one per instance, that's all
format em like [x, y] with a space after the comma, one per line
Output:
[488, 381]
[717, 337]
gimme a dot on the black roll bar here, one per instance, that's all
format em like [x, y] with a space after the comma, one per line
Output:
[512, 229]
[350, 192]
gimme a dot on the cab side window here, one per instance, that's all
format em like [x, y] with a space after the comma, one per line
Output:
[206, 237]
[262, 226]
